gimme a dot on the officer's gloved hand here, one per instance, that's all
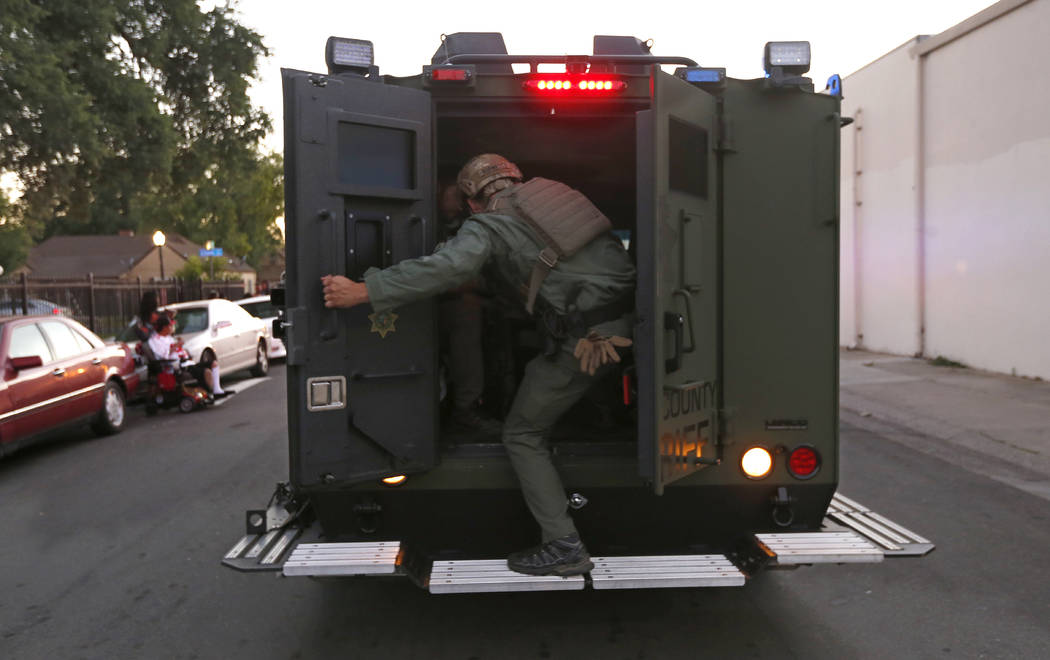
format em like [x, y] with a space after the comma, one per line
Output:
[594, 350]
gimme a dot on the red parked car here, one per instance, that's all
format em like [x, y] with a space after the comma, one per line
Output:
[57, 373]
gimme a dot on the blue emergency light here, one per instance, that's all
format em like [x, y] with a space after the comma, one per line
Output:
[705, 75]
[834, 87]
[702, 76]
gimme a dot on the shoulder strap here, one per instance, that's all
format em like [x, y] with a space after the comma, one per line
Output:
[563, 218]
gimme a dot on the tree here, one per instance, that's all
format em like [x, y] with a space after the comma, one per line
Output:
[212, 268]
[130, 114]
[14, 246]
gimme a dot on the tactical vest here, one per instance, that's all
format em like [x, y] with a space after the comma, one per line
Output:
[563, 218]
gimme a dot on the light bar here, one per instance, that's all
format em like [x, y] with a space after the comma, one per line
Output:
[575, 85]
[343, 54]
[791, 56]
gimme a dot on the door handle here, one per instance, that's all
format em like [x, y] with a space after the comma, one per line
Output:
[96, 361]
[58, 372]
[412, 371]
[689, 317]
[674, 322]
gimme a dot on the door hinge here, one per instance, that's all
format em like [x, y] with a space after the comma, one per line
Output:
[725, 141]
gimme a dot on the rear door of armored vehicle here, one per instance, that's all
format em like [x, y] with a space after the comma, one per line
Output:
[358, 177]
[677, 301]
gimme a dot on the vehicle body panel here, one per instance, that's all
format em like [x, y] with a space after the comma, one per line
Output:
[728, 197]
[261, 308]
[350, 210]
[64, 391]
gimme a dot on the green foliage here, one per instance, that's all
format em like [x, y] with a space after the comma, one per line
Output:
[134, 114]
[14, 246]
[192, 269]
[212, 268]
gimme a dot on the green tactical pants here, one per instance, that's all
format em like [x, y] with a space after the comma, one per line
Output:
[461, 321]
[548, 390]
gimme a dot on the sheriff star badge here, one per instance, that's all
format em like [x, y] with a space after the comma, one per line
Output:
[382, 323]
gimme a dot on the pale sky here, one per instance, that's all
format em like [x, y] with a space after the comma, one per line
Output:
[844, 35]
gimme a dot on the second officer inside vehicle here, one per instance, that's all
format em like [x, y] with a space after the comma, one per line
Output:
[548, 241]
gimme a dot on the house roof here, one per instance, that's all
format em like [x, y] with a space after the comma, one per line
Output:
[76, 256]
[105, 256]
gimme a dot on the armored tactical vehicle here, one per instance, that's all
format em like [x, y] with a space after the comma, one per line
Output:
[712, 453]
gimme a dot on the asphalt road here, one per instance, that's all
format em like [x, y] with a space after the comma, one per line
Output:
[111, 547]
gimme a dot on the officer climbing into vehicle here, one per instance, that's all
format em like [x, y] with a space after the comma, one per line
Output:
[551, 243]
[461, 317]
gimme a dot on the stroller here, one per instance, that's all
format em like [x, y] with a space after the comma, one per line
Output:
[167, 385]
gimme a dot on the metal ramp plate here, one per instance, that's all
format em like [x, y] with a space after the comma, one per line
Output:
[260, 552]
[674, 571]
[894, 540]
[380, 558]
[492, 575]
[852, 533]
[792, 548]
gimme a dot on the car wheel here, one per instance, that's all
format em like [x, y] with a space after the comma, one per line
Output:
[110, 418]
[262, 360]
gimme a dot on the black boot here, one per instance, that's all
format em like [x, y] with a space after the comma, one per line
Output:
[469, 420]
[564, 556]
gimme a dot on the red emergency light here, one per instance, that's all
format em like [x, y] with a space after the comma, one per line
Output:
[575, 85]
[456, 75]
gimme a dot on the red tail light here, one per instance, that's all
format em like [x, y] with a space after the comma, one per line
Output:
[803, 462]
[449, 74]
[575, 85]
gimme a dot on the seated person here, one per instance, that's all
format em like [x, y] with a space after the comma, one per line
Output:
[148, 315]
[164, 347]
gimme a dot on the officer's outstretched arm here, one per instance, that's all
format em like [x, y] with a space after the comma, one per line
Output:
[453, 265]
[343, 292]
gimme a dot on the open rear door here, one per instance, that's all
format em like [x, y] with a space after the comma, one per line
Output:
[362, 391]
[677, 300]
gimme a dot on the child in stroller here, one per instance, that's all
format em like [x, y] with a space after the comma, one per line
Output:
[168, 368]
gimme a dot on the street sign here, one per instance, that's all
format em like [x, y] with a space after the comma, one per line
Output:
[215, 252]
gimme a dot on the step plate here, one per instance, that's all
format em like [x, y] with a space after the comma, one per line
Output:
[492, 575]
[793, 548]
[261, 552]
[656, 572]
[317, 559]
[894, 540]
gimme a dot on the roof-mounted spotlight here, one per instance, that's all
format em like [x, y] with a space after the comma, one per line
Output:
[786, 61]
[349, 56]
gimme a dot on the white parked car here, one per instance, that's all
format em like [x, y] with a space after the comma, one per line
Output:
[261, 307]
[219, 328]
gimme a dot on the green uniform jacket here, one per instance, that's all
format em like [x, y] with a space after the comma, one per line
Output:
[598, 274]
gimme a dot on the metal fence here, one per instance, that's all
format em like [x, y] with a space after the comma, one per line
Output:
[107, 306]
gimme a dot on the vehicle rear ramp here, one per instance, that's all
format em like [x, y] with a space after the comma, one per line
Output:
[851, 533]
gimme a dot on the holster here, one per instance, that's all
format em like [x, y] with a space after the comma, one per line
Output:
[555, 328]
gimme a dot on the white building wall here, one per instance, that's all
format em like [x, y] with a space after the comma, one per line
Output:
[953, 141]
[987, 154]
[879, 299]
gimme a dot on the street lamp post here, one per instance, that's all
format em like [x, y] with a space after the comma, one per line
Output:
[159, 240]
